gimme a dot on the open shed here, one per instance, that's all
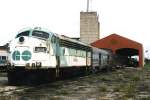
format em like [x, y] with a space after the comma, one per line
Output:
[121, 46]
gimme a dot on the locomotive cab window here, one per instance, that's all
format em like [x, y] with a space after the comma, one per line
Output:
[25, 33]
[40, 34]
[40, 49]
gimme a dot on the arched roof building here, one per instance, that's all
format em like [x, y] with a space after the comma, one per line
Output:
[121, 45]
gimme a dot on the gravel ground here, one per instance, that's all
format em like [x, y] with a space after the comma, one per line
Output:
[121, 84]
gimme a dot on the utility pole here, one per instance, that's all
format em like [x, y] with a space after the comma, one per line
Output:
[87, 10]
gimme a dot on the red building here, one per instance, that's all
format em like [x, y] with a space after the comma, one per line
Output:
[122, 46]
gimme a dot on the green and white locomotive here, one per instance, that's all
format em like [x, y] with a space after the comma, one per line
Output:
[45, 56]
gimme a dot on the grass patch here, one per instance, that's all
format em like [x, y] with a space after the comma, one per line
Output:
[147, 65]
[117, 89]
[105, 78]
[135, 78]
[145, 98]
[129, 90]
[62, 92]
[103, 88]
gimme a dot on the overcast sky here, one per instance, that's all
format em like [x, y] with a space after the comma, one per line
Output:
[128, 18]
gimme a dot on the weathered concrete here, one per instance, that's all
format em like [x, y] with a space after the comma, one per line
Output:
[89, 27]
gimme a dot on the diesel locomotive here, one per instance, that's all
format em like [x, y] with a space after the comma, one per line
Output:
[38, 55]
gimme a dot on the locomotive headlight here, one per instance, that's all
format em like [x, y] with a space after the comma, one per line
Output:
[21, 39]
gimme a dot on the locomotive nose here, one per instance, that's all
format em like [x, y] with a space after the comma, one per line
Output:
[21, 39]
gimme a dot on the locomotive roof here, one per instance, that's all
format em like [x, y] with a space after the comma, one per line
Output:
[66, 39]
[72, 40]
[63, 37]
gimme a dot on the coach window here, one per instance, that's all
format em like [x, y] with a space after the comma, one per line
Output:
[89, 55]
[108, 58]
[83, 54]
[79, 53]
[76, 53]
[72, 52]
[3, 57]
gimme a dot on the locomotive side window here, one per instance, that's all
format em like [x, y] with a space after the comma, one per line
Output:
[62, 51]
[25, 33]
[40, 49]
[40, 34]
[72, 52]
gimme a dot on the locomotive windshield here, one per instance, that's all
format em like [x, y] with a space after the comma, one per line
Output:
[25, 33]
[40, 34]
